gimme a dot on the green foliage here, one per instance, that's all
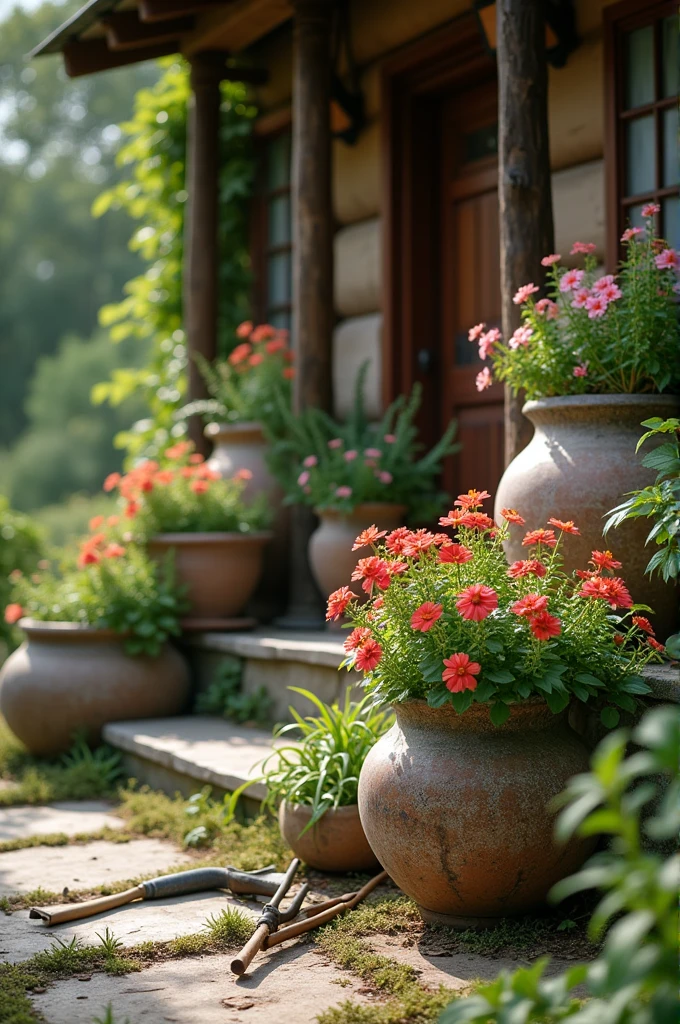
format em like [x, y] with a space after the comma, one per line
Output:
[21, 546]
[127, 593]
[634, 979]
[630, 345]
[230, 928]
[226, 698]
[661, 501]
[539, 633]
[327, 464]
[155, 195]
[101, 768]
[65, 523]
[109, 1017]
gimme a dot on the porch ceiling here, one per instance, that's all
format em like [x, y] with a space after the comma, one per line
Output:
[110, 33]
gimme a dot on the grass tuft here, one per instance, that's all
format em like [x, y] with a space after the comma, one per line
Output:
[230, 928]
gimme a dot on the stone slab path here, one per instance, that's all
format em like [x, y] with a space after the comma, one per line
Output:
[70, 817]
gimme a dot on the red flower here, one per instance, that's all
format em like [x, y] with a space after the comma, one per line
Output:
[476, 602]
[540, 536]
[605, 560]
[441, 538]
[245, 329]
[473, 499]
[240, 353]
[196, 459]
[655, 644]
[530, 605]
[455, 554]
[113, 521]
[288, 373]
[372, 570]
[419, 540]
[274, 346]
[146, 485]
[13, 613]
[113, 550]
[544, 625]
[356, 639]
[264, 331]
[242, 474]
[131, 510]
[511, 515]
[642, 623]
[397, 568]
[611, 589]
[453, 519]
[425, 617]
[338, 601]
[587, 574]
[87, 557]
[528, 567]
[368, 656]
[395, 540]
[256, 359]
[459, 673]
[619, 639]
[176, 451]
[164, 476]
[567, 527]
[96, 522]
[200, 486]
[367, 537]
[112, 480]
[476, 521]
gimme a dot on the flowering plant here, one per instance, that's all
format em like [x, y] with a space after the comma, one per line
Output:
[450, 622]
[184, 496]
[253, 383]
[331, 465]
[608, 334]
[110, 586]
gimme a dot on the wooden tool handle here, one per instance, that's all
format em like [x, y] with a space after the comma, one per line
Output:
[256, 942]
[74, 911]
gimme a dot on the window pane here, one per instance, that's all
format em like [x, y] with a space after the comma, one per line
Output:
[671, 55]
[671, 158]
[634, 218]
[278, 276]
[280, 319]
[671, 220]
[278, 232]
[640, 156]
[639, 84]
[278, 162]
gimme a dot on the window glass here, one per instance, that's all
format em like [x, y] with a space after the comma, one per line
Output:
[670, 209]
[278, 278]
[279, 221]
[639, 67]
[278, 162]
[670, 55]
[671, 154]
[640, 156]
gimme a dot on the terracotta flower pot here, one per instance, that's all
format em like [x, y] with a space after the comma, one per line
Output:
[219, 570]
[67, 678]
[330, 546]
[336, 843]
[455, 808]
[243, 446]
[579, 464]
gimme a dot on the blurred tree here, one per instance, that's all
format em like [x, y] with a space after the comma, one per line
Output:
[58, 139]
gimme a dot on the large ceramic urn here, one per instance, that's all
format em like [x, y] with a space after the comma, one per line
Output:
[579, 465]
[67, 680]
[456, 808]
[330, 546]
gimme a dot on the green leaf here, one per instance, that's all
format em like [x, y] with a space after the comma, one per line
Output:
[499, 713]
[588, 679]
[557, 701]
[495, 646]
[501, 675]
[462, 701]
[438, 697]
[431, 668]
[609, 717]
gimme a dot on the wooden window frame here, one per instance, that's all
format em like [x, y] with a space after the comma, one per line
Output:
[619, 19]
[266, 129]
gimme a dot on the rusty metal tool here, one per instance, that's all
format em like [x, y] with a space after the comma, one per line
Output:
[270, 919]
[242, 883]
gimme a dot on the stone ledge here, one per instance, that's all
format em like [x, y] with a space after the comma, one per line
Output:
[313, 648]
[664, 681]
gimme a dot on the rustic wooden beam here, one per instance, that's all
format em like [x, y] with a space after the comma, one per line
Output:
[125, 31]
[312, 260]
[164, 10]
[87, 57]
[201, 251]
[524, 190]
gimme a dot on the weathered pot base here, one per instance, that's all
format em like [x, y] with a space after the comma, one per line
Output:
[459, 924]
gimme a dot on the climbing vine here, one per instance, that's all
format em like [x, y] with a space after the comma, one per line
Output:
[154, 195]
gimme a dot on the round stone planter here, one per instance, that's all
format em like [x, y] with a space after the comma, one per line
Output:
[219, 570]
[455, 808]
[336, 843]
[579, 464]
[330, 546]
[66, 678]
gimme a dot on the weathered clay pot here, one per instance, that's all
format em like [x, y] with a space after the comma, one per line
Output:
[330, 546]
[243, 446]
[336, 843]
[454, 808]
[579, 464]
[219, 570]
[66, 678]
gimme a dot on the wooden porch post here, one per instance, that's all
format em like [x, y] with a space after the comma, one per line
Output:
[201, 220]
[312, 263]
[524, 188]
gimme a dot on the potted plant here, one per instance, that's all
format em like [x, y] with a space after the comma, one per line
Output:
[481, 662]
[357, 473]
[95, 647]
[218, 539]
[596, 356]
[313, 783]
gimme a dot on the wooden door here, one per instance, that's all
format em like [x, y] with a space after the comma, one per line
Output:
[470, 284]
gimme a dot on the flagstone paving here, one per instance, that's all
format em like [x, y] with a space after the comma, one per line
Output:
[70, 817]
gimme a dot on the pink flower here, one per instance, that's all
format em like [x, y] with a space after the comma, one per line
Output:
[310, 461]
[579, 298]
[667, 260]
[343, 492]
[425, 616]
[487, 341]
[650, 209]
[571, 280]
[582, 247]
[350, 455]
[372, 453]
[548, 261]
[581, 370]
[530, 605]
[523, 293]
[459, 673]
[389, 438]
[630, 233]
[476, 602]
[303, 478]
[596, 306]
[475, 332]
[611, 292]
[335, 443]
[603, 282]
[544, 625]
[483, 380]
[521, 337]
[384, 477]
[676, 288]
[550, 308]
[13, 612]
